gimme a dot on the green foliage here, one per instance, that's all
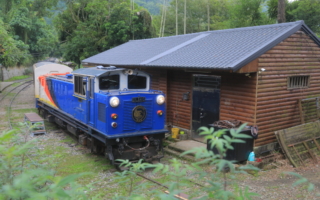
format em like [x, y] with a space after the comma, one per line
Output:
[183, 176]
[222, 15]
[15, 78]
[307, 10]
[247, 13]
[152, 5]
[28, 31]
[22, 178]
[89, 27]
[12, 51]
[129, 176]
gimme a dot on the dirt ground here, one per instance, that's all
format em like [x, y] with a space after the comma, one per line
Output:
[269, 184]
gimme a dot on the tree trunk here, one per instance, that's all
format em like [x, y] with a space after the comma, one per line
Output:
[164, 18]
[208, 15]
[281, 11]
[176, 17]
[185, 17]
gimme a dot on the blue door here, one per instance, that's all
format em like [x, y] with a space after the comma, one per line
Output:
[205, 102]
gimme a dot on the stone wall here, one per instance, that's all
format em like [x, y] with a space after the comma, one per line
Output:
[6, 73]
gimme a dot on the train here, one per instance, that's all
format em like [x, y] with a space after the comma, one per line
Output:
[113, 111]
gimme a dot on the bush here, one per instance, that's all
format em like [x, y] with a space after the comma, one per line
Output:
[217, 185]
[21, 177]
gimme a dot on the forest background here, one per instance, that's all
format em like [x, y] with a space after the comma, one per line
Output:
[31, 30]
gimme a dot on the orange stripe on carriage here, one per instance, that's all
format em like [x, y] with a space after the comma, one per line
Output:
[44, 84]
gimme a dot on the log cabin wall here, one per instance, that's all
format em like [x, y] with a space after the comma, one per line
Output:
[179, 112]
[238, 97]
[158, 79]
[277, 106]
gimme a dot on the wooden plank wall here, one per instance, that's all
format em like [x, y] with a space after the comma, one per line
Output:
[277, 107]
[158, 79]
[237, 100]
[179, 112]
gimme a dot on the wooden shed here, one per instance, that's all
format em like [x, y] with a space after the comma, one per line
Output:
[258, 75]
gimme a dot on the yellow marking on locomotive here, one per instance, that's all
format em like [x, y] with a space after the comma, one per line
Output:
[47, 102]
[83, 98]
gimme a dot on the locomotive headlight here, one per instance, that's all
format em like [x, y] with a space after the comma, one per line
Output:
[160, 99]
[114, 102]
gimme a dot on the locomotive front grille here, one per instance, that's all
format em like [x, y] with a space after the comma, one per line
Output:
[129, 123]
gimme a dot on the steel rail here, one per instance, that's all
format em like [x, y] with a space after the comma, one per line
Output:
[160, 184]
[14, 89]
[9, 108]
[17, 81]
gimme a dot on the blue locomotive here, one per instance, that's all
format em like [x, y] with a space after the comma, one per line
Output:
[112, 110]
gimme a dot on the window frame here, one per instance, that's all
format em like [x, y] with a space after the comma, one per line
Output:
[146, 82]
[79, 80]
[293, 82]
[119, 82]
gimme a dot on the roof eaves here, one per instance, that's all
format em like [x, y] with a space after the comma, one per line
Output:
[310, 33]
[267, 47]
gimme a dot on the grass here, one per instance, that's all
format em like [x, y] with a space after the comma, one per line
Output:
[15, 84]
[26, 110]
[15, 78]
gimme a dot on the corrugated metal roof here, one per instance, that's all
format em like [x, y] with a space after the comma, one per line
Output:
[221, 49]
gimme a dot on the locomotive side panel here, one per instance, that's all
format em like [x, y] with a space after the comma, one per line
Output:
[62, 94]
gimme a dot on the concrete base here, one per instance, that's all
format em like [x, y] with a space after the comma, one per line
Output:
[186, 145]
[4, 85]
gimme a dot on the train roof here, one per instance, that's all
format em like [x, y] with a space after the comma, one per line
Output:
[39, 64]
[96, 71]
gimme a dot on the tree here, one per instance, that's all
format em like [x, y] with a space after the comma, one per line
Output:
[89, 27]
[247, 13]
[26, 25]
[307, 10]
[12, 51]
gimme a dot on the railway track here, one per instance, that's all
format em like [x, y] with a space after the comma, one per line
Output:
[18, 89]
[17, 81]
[181, 196]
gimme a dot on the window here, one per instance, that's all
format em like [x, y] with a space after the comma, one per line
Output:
[91, 88]
[137, 82]
[109, 82]
[295, 82]
[80, 85]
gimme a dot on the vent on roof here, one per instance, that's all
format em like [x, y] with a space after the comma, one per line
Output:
[295, 82]
[107, 68]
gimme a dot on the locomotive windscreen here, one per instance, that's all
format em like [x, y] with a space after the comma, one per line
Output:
[109, 82]
[137, 82]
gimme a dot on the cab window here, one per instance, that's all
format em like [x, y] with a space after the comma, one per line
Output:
[137, 82]
[109, 82]
[80, 85]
